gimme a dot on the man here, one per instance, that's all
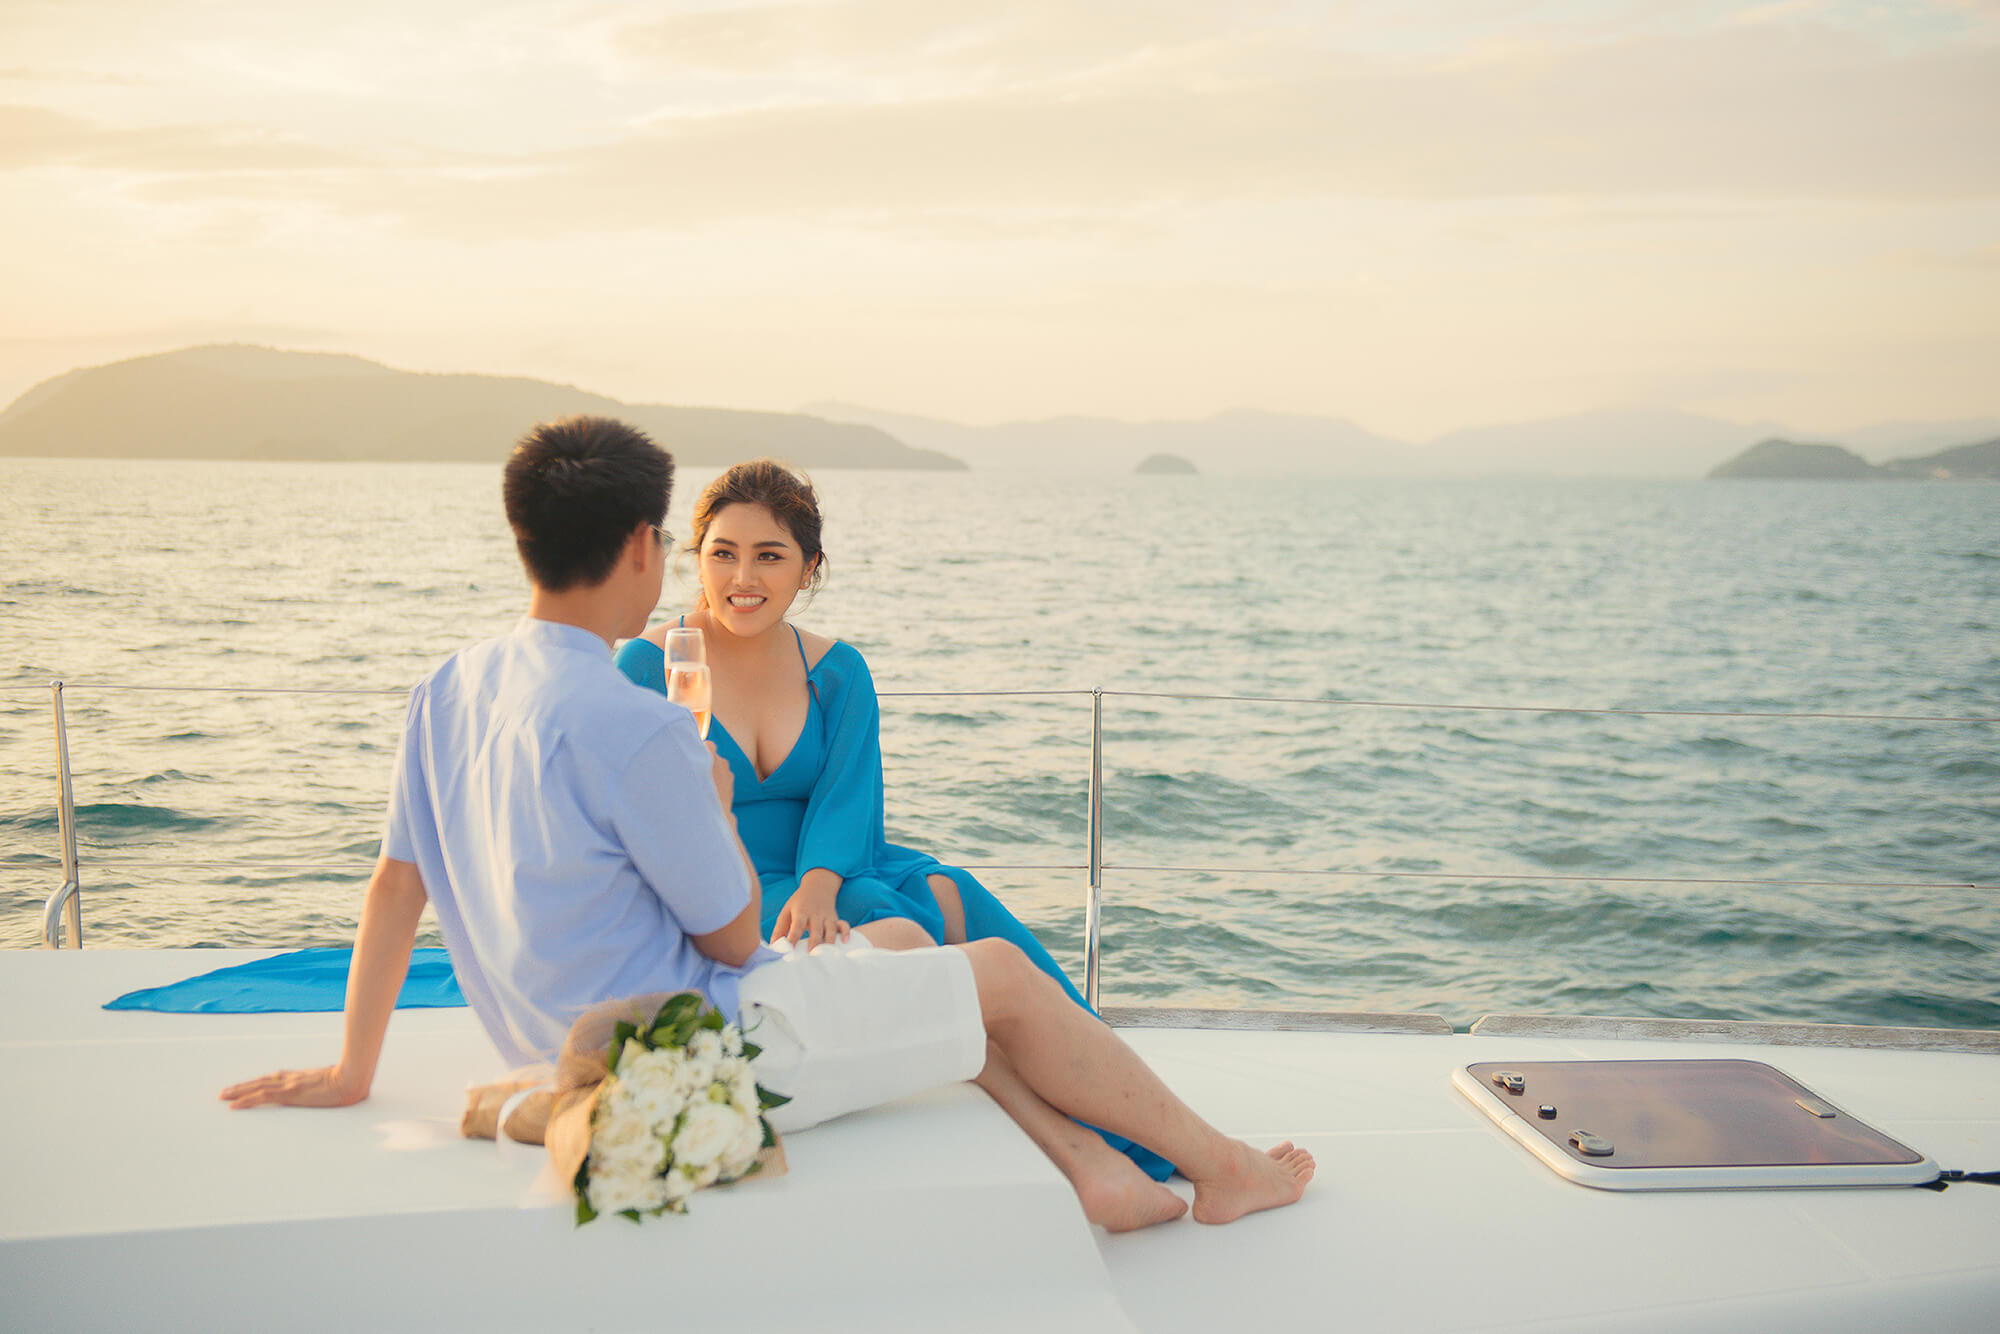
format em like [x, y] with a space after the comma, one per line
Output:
[574, 836]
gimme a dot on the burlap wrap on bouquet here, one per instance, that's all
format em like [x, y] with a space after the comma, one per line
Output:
[560, 1119]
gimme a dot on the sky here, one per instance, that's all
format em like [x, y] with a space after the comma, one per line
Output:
[1415, 214]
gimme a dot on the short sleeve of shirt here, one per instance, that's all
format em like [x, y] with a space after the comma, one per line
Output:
[409, 797]
[672, 824]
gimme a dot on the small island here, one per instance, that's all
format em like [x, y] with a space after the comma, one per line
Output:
[1791, 459]
[1165, 465]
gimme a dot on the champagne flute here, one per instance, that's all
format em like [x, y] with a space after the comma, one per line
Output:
[687, 673]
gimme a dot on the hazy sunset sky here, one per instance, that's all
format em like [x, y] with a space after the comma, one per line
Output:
[1420, 214]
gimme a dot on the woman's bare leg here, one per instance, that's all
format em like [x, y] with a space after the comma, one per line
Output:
[1113, 1191]
[1076, 1064]
[895, 933]
[945, 890]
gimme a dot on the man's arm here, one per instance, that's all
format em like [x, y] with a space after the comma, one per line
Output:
[736, 942]
[389, 916]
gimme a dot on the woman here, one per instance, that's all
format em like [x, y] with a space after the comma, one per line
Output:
[795, 716]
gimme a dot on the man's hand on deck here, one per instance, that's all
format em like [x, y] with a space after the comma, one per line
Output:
[295, 1088]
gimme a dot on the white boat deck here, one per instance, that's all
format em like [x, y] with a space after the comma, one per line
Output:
[131, 1198]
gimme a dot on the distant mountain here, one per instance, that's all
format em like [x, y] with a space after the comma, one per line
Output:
[1888, 440]
[1166, 465]
[1238, 442]
[1630, 442]
[1790, 459]
[1623, 443]
[239, 402]
[1966, 463]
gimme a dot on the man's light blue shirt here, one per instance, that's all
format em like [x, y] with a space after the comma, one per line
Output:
[568, 834]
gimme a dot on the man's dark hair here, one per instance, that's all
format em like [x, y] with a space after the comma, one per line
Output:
[575, 489]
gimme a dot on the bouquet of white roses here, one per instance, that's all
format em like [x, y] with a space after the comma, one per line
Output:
[679, 1111]
[642, 1112]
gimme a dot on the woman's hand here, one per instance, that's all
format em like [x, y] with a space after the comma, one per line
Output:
[808, 917]
[323, 1087]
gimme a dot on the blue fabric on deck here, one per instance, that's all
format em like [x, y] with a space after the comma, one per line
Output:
[302, 982]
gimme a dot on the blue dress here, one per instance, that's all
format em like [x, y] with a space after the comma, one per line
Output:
[822, 807]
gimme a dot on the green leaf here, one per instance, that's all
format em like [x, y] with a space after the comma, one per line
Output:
[751, 1051]
[770, 1135]
[677, 1017]
[713, 1021]
[584, 1213]
[619, 1034]
[632, 1214]
[766, 1099]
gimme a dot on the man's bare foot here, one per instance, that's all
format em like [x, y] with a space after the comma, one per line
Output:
[1117, 1196]
[1255, 1181]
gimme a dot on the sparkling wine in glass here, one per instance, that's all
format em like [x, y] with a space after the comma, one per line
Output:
[687, 673]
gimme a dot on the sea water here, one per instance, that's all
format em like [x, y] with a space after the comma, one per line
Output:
[1395, 808]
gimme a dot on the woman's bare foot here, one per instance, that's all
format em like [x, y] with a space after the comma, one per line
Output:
[1116, 1195]
[1254, 1181]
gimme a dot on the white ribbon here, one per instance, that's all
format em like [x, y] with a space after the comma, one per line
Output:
[507, 1147]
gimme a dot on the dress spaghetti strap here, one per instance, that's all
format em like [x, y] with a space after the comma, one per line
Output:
[800, 640]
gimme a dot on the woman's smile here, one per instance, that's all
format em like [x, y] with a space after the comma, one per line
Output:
[751, 569]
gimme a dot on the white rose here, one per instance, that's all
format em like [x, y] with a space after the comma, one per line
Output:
[709, 1129]
[706, 1052]
[642, 1063]
[612, 1097]
[732, 1041]
[614, 1192]
[624, 1142]
[688, 1078]
[744, 1150]
[616, 1128]
[659, 1101]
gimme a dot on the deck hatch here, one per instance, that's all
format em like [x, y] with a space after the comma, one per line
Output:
[1686, 1124]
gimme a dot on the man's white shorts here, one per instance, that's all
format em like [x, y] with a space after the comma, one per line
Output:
[850, 1026]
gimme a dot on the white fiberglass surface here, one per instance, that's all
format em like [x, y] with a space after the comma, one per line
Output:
[129, 1188]
[1424, 1214]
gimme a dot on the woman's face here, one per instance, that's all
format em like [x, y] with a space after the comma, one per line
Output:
[750, 568]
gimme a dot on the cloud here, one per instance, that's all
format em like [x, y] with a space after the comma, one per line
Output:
[22, 74]
[1769, 111]
[183, 333]
[32, 136]
[1756, 114]
[914, 39]
[1780, 11]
